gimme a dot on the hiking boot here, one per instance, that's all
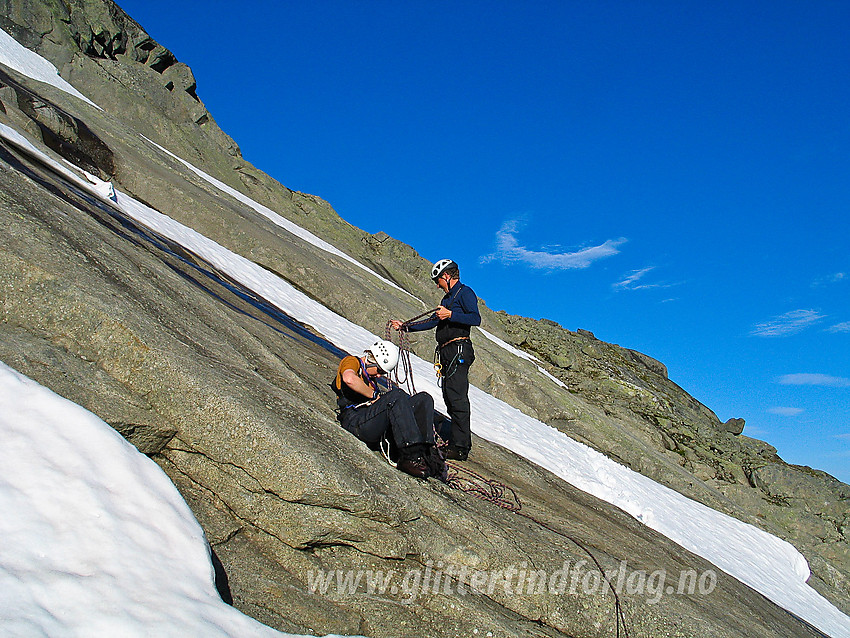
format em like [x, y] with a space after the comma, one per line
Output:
[415, 467]
[453, 453]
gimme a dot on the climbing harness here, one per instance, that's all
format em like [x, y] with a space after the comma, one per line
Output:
[443, 345]
[452, 366]
[368, 380]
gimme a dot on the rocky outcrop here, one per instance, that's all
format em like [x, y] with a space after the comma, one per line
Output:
[108, 57]
[233, 404]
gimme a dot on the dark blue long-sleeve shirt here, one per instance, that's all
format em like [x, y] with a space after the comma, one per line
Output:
[463, 304]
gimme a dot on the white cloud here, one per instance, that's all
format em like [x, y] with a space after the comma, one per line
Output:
[835, 278]
[844, 326]
[757, 432]
[788, 324]
[843, 436]
[630, 280]
[508, 250]
[814, 379]
[786, 411]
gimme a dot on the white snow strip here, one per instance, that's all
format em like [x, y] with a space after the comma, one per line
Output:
[762, 561]
[89, 183]
[16, 56]
[555, 379]
[522, 355]
[281, 221]
[515, 351]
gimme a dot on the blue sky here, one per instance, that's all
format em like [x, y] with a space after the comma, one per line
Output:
[672, 176]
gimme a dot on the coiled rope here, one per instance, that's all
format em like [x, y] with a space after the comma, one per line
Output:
[490, 490]
[405, 377]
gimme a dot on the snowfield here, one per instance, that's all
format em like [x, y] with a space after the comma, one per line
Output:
[94, 533]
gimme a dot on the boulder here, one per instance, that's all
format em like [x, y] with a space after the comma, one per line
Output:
[733, 426]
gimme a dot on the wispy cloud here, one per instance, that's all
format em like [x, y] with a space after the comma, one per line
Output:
[509, 250]
[835, 278]
[843, 436]
[788, 324]
[814, 379]
[786, 411]
[844, 326]
[630, 282]
[634, 281]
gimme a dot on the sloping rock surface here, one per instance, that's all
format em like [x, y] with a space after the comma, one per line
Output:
[233, 401]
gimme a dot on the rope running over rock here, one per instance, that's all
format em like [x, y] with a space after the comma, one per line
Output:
[501, 495]
[490, 490]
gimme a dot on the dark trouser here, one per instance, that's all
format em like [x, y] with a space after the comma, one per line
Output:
[410, 418]
[455, 359]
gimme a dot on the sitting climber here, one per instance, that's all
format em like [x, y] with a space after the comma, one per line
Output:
[368, 413]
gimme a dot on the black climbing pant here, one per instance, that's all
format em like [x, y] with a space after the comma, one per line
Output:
[410, 419]
[455, 359]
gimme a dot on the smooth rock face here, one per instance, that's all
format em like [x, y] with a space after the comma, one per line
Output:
[235, 405]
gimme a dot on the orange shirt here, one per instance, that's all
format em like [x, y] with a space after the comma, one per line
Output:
[348, 363]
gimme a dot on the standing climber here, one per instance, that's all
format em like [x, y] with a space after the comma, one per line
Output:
[456, 314]
[368, 413]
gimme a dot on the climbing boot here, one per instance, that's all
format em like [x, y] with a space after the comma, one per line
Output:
[453, 453]
[414, 466]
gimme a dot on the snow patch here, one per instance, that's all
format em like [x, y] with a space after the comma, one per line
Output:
[16, 56]
[97, 541]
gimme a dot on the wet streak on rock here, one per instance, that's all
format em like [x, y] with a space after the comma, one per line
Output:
[182, 261]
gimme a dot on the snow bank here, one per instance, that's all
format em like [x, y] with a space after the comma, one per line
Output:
[96, 539]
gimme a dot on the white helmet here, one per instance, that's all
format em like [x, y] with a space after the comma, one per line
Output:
[386, 354]
[440, 267]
